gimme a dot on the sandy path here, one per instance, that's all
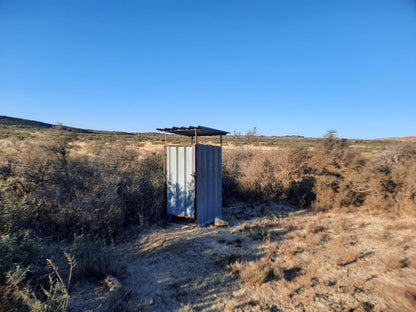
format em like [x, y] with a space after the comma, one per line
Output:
[183, 264]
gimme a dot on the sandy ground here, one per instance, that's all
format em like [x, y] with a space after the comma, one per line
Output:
[270, 258]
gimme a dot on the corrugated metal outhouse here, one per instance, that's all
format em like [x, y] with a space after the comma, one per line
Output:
[193, 176]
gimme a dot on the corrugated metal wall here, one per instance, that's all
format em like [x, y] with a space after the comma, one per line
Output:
[181, 185]
[180, 181]
[209, 184]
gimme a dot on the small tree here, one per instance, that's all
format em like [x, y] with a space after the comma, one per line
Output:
[334, 146]
[251, 134]
[330, 139]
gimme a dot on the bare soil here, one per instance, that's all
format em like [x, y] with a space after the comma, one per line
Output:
[271, 257]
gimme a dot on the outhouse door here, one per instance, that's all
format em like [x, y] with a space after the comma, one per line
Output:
[180, 163]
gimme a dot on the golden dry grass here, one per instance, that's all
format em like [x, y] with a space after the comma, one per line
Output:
[332, 262]
[400, 139]
[185, 308]
[273, 258]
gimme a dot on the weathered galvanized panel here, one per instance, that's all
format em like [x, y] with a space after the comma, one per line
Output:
[181, 192]
[209, 184]
[180, 180]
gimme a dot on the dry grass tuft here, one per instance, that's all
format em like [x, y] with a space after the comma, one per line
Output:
[185, 308]
[254, 273]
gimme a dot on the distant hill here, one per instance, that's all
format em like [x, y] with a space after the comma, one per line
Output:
[26, 123]
[12, 121]
[400, 139]
[20, 122]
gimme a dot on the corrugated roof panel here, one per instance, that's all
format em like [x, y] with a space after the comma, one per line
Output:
[190, 131]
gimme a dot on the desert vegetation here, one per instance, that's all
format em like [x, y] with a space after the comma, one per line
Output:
[330, 175]
[78, 206]
[50, 188]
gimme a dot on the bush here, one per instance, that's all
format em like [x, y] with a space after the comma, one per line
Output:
[16, 250]
[56, 182]
[74, 193]
[16, 213]
[14, 296]
[331, 175]
[18, 256]
[261, 176]
[17, 296]
[94, 258]
[301, 193]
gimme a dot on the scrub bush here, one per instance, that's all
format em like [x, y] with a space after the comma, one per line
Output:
[94, 258]
[66, 192]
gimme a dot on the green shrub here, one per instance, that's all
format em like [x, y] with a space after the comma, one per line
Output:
[18, 256]
[16, 294]
[57, 295]
[16, 250]
[16, 213]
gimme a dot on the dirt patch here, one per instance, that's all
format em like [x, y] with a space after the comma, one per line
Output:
[282, 261]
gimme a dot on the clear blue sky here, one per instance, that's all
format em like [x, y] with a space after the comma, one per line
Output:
[287, 67]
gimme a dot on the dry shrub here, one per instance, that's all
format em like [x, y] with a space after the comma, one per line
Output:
[254, 273]
[404, 176]
[382, 183]
[257, 175]
[392, 184]
[101, 187]
[330, 176]
[326, 194]
[301, 193]
[71, 192]
[94, 258]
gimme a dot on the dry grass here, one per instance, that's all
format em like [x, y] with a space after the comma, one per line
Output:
[276, 259]
[400, 139]
[341, 262]
[185, 308]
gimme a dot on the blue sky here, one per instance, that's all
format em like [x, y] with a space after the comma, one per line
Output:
[285, 66]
